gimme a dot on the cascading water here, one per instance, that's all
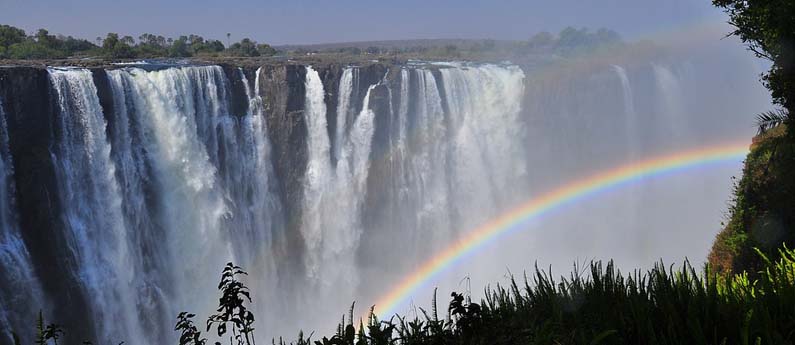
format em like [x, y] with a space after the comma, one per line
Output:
[20, 292]
[630, 122]
[672, 115]
[334, 190]
[165, 174]
[211, 178]
[95, 229]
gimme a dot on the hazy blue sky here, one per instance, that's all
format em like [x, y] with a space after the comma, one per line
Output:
[312, 21]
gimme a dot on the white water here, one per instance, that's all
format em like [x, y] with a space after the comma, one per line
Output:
[334, 192]
[630, 121]
[15, 265]
[671, 103]
[95, 229]
[173, 185]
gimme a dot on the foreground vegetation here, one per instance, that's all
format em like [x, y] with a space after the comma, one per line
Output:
[598, 306]
[762, 214]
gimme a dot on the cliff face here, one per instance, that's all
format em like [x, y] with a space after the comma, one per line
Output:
[763, 212]
[133, 183]
[283, 97]
[31, 117]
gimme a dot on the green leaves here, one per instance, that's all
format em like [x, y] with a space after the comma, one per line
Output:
[231, 308]
[190, 335]
[771, 119]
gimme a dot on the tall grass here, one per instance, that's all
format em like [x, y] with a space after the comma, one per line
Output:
[600, 305]
[664, 305]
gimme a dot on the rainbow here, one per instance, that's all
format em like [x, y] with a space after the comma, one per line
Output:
[517, 218]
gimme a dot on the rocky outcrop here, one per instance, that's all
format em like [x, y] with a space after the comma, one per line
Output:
[31, 118]
[283, 93]
[762, 215]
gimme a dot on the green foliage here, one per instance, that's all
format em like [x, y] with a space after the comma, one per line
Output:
[770, 119]
[189, 334]
[768, 30]
[179, 48]
[231, 307]
[45, 334]
[114, 47]
[661, 306]
[16, 44]
[10, 35]
[597, 306]
[248, 48]
[762, 211]
[32, 50]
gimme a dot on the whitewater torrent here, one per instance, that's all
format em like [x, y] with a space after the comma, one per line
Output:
[164, 174]
[90, 194]
[15, 265]
[334, 190]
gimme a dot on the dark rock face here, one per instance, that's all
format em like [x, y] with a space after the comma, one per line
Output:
[237, 98]
[31, 115]
[283, 92]
[330, 76]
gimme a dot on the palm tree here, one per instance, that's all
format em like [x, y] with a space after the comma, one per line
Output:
[771, 119]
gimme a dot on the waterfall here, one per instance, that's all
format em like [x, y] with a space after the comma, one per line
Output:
[428, 166]
[96, 233]
[318, 170]
[334, 190]
[631, 147]
[486, 138]
[15, 265]
[630, 121]
[166, 173]
[671, 102]
[343, 107]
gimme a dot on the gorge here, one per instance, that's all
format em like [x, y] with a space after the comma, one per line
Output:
[125, 189]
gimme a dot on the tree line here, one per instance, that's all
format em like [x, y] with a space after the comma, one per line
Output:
[16, 44]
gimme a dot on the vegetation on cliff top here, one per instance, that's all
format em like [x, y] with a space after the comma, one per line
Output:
[16, 44]
[762, 214]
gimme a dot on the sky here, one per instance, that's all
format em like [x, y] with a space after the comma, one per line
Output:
[315, 21]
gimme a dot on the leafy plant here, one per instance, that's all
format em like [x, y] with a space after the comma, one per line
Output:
[189, 334]
[231, 307]
[771, 119]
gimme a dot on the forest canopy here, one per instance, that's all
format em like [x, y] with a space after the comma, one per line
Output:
[16, 44]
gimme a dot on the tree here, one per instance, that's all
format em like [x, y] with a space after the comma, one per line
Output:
[10, 35]
[44, 38]
[768, 30]
[114, 47]
[265, 49]
[246, 47]
[179, 48]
